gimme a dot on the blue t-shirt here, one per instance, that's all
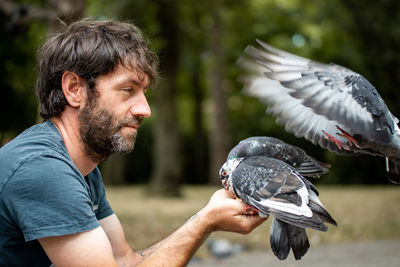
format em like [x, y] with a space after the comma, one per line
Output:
[42, 194]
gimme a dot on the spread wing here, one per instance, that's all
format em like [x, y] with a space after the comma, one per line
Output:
[310, 97]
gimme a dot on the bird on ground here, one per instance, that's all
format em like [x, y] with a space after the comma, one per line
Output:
[260, 172]
[222, 248]
[327, 104]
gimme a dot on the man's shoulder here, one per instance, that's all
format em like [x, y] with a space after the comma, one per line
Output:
[38, 149]
[43, 135]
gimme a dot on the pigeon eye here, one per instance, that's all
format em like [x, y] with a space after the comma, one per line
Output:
[224, 173]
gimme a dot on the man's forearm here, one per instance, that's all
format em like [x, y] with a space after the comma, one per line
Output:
[222, 213]
[179, 247]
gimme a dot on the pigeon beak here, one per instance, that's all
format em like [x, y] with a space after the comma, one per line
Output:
[225, 183]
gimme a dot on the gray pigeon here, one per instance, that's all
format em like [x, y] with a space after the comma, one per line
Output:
[326, 104]
[275, 148]
[274, 187]
[222, 248]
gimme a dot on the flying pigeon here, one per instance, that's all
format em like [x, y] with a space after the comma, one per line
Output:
[274, 187]
[327, 104]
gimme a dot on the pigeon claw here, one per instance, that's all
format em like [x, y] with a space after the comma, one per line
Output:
[346, 135]
[249, 210]
[340, 145]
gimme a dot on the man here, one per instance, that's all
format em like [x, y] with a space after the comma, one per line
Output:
[92, 81]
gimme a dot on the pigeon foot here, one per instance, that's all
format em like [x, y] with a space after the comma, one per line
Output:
[338, 143]
[346, 135]
[250, 210]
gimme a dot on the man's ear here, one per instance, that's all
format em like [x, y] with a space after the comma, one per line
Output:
[74, 88]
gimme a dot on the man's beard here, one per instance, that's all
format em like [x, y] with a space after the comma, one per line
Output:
[101, 132]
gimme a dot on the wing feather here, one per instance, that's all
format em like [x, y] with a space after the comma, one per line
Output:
[329, 94]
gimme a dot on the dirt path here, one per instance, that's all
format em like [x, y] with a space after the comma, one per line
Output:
[385, 253]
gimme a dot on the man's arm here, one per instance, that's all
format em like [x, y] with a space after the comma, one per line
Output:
[91, 248]
[222, 213]
[102, 245]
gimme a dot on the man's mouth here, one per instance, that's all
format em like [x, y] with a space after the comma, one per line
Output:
[131, 123]
[132, 126]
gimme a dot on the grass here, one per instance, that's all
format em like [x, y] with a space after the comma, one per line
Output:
[363, 213]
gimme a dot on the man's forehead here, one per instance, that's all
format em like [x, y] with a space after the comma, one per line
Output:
[129, 74]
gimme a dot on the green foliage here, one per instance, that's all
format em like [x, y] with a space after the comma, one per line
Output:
[17, 76]
[359, 35]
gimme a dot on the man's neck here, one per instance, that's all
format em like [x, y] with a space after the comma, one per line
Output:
[68, 126]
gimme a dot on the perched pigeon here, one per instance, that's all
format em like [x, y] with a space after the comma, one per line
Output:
[274, 187]
[327, 104]
[275, 148]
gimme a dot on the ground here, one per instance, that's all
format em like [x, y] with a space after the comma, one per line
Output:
[382, 253]
[366, 217]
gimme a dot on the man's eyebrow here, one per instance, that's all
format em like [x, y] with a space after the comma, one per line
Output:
[131, 80]
[135, 81]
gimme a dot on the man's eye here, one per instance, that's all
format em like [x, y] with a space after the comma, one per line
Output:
[128, 90]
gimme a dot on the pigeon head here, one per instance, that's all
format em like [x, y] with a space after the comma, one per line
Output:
[225, 173]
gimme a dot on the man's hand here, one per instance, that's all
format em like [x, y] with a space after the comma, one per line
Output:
[225, 213]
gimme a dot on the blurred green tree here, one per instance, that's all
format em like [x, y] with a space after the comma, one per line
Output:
[23, 25]
[199, 110]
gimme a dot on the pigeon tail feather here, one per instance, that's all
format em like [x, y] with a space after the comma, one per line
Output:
[393, 171]
[298, 241]
[279, 239]
[284, 237]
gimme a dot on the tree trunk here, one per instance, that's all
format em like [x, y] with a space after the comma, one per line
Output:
[199, 150]
[219, 138]
[166, 176]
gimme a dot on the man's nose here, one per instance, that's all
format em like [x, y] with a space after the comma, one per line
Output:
[140, 107]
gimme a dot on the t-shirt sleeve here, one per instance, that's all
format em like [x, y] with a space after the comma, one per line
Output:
[102, 206]
[46, 197]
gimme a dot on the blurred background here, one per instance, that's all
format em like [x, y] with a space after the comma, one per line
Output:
[199, 113]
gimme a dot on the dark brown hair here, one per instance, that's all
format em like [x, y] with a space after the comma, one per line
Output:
[89, 48]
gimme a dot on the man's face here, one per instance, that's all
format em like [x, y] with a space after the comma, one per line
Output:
[109, 122]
